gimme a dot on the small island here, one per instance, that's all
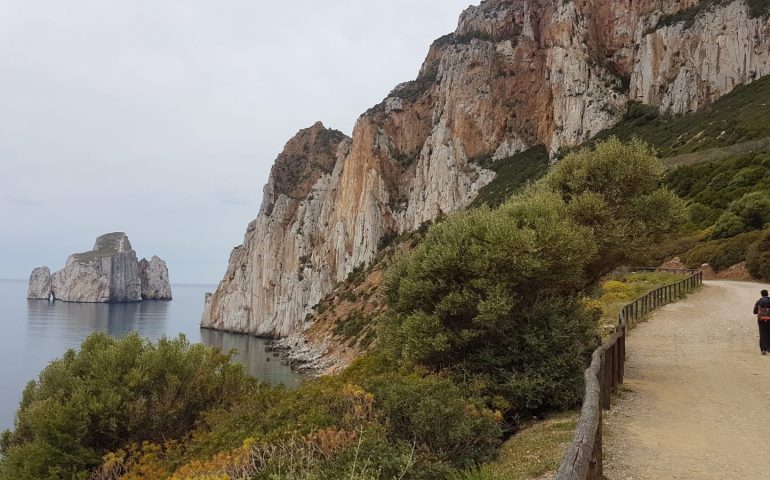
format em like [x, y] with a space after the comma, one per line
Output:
[109, 273]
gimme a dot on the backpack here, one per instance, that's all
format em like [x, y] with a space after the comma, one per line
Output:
[763, 313]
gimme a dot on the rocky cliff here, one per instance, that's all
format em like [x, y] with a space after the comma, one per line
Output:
[39, 287]
[153, 276]
[515, 74]
[109, 272]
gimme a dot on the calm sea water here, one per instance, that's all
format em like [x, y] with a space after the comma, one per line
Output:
[34, 332]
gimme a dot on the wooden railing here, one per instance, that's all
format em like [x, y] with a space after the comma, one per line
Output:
[583, 458]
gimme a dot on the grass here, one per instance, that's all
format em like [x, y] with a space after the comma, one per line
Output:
[534, 451]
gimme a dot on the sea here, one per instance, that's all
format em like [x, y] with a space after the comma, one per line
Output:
[35, 332]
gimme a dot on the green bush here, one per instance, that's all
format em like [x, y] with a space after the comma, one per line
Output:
[434, 412]
[110, 393]
[749, 212]
[492, 295]
[721, 254]
[615, 191]
[351, 326]
[758, 257]
[753, 208]
[728, 225]
[395, 410]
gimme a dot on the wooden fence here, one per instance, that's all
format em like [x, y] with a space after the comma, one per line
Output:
[583, 458]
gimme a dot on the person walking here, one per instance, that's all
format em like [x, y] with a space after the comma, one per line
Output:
[762, 311]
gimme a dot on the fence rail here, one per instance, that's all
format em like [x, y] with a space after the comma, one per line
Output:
[583, 458]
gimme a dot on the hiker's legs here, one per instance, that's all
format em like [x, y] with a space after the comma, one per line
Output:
[764, 335]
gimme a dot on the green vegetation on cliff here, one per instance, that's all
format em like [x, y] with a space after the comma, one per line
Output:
[740, 116]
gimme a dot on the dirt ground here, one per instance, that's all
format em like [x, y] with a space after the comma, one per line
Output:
[696, 399]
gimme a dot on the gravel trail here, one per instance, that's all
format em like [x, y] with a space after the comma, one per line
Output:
[696, 400]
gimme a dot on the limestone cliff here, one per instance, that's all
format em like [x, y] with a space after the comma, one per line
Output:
[515, 74]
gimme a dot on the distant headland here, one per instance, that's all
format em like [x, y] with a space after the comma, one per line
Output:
[109, 273]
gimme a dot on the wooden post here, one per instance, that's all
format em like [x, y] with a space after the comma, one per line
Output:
[646, 304]
[615, 364]
[607, 381]
[595, 468]
[622, 355]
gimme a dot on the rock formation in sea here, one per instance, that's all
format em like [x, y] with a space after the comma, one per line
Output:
[153, 275]
[39, 287]
[515, 74]
[109, 273]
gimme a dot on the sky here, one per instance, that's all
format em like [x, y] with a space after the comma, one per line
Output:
[161, 118]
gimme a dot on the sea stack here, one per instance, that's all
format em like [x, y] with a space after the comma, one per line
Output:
[153, 275]
[39, 284]
[109, 273]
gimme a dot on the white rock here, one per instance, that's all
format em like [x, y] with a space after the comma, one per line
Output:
[108, 273]
[683, 70]
[39, 287]
[153, 275]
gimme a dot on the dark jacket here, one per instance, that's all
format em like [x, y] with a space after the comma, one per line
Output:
[762, 302]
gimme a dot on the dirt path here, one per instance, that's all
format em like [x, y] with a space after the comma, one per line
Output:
[697, 404]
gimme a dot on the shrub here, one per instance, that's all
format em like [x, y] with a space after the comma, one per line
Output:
[728, 225]
[758, 257]
[615, 191]
[402, 418]
[721, 254]
[749, 212]
[435, 413]
[110, 393]
[351, 326]
[492, 295]
[753, 208]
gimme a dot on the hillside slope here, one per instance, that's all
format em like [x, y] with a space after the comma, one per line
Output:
[516, 74]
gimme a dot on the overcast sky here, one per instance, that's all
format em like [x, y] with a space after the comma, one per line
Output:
[161, 118]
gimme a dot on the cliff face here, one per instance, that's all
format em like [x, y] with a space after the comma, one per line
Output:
[515, 74]
[107, 273]
[153, 276]
[39, 286]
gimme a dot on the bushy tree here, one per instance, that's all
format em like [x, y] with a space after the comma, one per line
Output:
[109, 393]
[616, 190]
[492, 295]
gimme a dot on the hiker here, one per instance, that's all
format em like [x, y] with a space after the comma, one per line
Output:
[762, 311]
